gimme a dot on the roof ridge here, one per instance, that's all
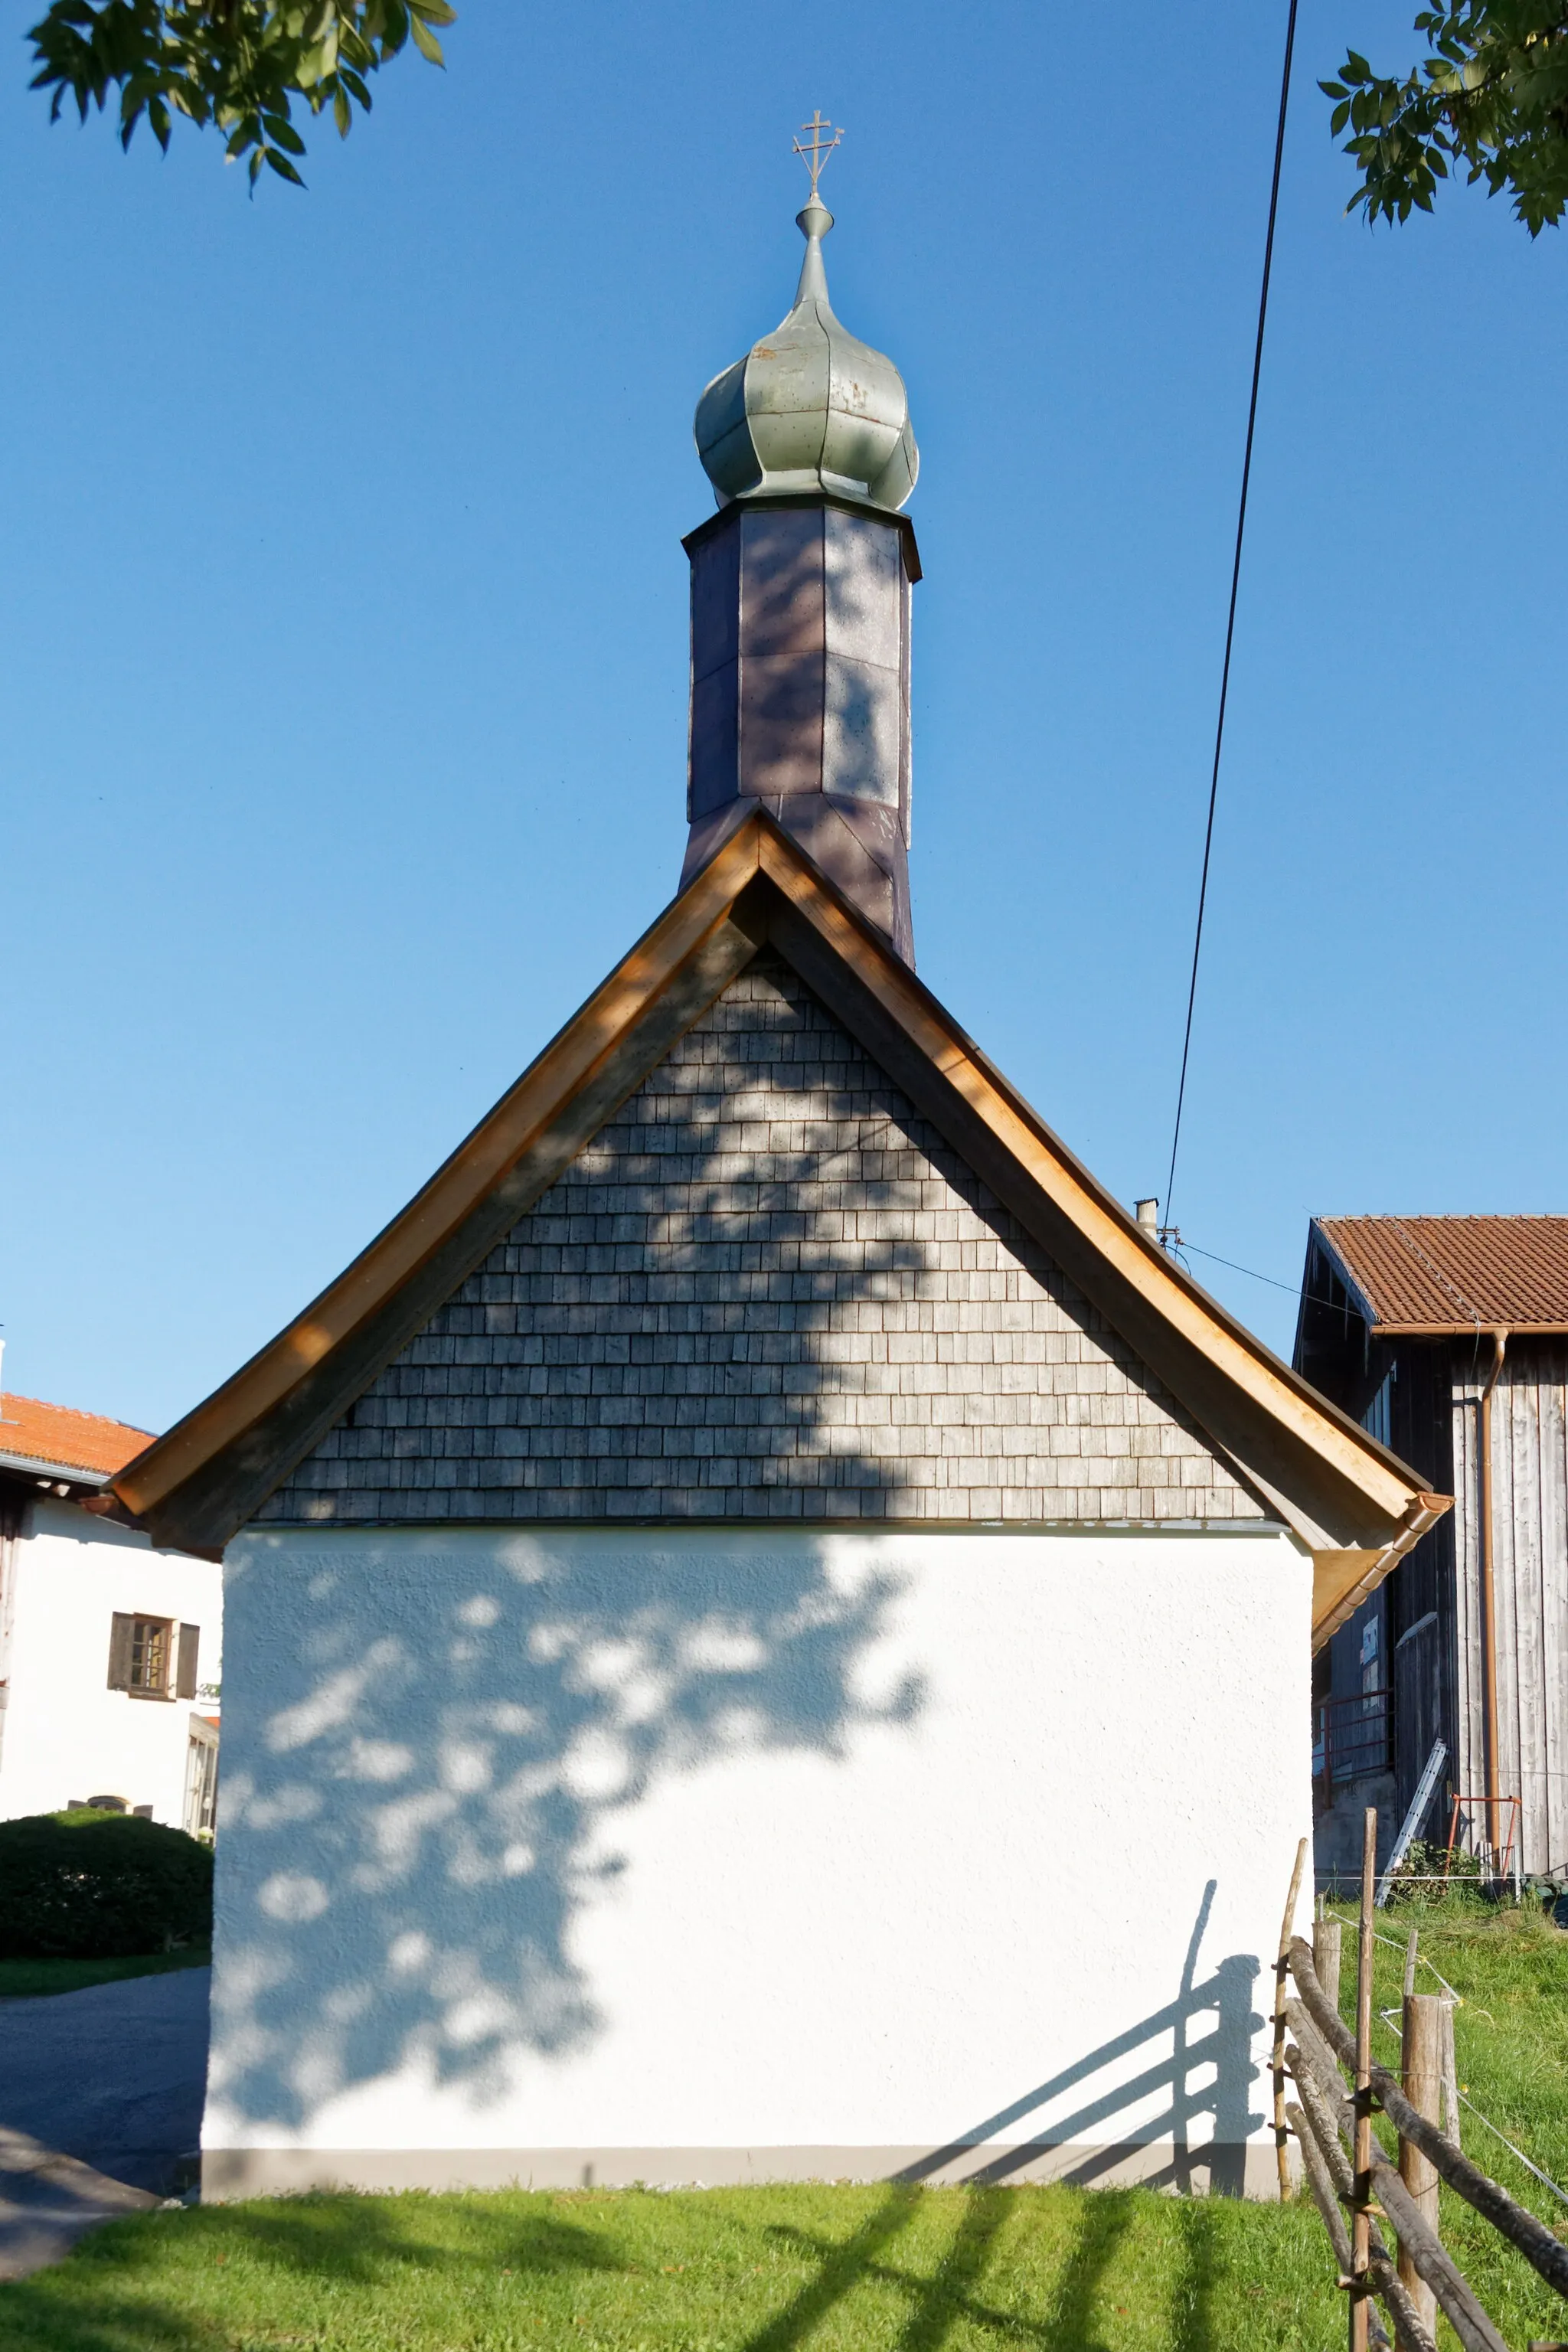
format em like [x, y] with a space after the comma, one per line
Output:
[77, 1413]
[1452, 1217]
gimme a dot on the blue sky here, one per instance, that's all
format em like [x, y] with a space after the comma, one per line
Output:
[343, 627]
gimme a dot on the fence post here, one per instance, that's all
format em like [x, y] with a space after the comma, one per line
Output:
[1281, 1991]
[1361, 2229]
[1421, 2079]
[1326, 1957]
[1450, 2120]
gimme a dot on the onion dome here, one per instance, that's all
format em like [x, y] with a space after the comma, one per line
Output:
[810, 408]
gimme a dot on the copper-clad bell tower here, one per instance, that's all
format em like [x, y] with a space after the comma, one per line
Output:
[800, 600]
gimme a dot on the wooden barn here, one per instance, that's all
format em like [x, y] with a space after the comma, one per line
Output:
[1447, 1338]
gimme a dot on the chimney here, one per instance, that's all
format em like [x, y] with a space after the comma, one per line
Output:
[1148, 1214]
[800, 602]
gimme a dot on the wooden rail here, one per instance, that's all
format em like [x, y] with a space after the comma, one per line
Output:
[1347, 2166]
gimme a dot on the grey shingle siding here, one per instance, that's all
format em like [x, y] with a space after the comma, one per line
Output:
[767, 1289]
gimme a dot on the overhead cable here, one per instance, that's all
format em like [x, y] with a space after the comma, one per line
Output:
[1234, 582]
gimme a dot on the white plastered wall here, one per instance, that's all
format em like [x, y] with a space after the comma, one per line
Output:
[65, 1733]
[645, 1854]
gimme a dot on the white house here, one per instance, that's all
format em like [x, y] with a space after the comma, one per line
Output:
[110, 1645]
[770, 1621]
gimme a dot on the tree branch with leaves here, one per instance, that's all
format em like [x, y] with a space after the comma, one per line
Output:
[238, 65]
[1490, 98]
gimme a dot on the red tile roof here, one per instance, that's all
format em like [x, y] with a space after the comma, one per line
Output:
[1452, 1273]
[65, 1439]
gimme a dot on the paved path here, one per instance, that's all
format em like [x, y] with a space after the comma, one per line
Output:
[101, 2100]
[48, 2201]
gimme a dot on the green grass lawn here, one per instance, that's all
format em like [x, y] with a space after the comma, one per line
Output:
[748, 2270]
[763, 2269]
[24, 1980]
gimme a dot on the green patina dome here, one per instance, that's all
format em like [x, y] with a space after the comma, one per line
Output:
[810, 408]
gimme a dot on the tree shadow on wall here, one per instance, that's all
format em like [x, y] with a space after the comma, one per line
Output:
[432, 1777]
[766, 1291]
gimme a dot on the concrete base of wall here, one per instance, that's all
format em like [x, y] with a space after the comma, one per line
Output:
[1232, 2168]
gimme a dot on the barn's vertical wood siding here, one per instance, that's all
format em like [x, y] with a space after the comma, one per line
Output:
[1420, 1594]
[1530, 1553]
[1554, 1396]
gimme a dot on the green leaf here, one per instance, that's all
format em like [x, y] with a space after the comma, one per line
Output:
[395, 30]
[237, 64]
[282, 167]
[1491, 94]
[281, 131]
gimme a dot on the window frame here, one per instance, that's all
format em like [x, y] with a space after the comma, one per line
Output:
[168, 1637]
[202, 1779]
[132, 1635]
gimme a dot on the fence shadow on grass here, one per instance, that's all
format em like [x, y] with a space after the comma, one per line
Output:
[937, 2301]
[1202, 2272]
[364, 2242]
[953, 2293]
[1197, 2051]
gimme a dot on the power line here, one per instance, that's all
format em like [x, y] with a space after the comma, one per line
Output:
[1251, 1272]
[1181, 1249]
[1234, 582]
[1310, 1297]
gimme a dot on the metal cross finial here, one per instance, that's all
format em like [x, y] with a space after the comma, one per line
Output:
[815, 154]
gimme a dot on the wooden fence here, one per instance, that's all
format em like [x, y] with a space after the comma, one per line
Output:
[1354, 2179]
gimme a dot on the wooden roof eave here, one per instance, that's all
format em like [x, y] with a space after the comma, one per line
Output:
[1335, 1483]
[1341, 1580]
[197, 1482]
[1483, 1328]
[1339, 1490]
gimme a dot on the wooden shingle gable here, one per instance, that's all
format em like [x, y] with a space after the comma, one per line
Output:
[1353, 1506]
[767, 1289]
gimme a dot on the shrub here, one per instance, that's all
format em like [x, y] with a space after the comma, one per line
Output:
[86, 1885]
[1457, 1877]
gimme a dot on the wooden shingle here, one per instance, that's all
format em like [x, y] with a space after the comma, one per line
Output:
[766, 1288]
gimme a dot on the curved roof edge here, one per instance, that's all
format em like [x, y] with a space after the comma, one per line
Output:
[1349, 1502]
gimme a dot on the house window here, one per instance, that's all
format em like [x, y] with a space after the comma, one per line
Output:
[153, 1657]
[151, 1642]
[201, 1777]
